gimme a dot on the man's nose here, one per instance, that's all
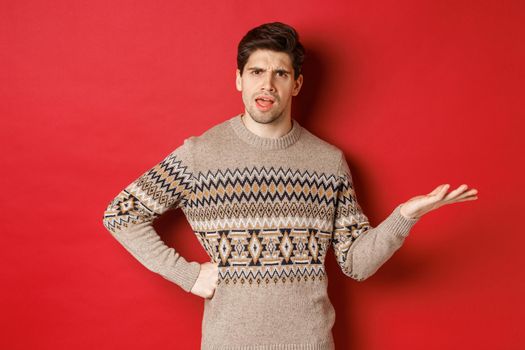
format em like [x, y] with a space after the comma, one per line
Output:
[267, 83]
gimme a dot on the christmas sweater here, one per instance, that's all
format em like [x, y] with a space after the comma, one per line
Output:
[266, 210]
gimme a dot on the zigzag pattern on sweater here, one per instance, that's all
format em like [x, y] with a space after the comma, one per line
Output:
[166, 185]
[261, 184]
[262, 197]
[126, 210]
[271, 275]
[277, 224]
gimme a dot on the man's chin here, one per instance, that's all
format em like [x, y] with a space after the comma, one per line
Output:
[264, 117]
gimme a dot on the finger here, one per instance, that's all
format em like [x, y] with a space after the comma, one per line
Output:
[463, 194]
[442, 192]
[438, 189]
[469, 198]
[454, 193]
[458, 191]
[470, 193]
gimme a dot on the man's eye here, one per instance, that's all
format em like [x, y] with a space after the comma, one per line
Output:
[282, 74]
[256, 72]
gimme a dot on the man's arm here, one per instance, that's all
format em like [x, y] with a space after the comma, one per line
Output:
[361, 249]
[130, 215]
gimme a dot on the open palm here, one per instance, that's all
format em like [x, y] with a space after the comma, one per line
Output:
[420, 205]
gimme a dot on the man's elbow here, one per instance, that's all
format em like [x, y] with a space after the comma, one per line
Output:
[105, 223]
[108, 219]
[361, 273]
[359, 277]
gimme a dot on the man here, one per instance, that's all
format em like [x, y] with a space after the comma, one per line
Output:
[266, 199]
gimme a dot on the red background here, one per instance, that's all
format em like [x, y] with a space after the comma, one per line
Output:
[417, 93]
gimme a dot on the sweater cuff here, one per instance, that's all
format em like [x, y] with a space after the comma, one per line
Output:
[184, 274]
[398, 224]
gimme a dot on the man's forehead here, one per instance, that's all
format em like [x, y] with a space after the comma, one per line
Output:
[269, 58]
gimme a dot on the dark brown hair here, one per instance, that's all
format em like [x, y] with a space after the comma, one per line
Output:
[275, 36]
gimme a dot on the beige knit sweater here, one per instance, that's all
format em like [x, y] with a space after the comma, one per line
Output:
[266, 210]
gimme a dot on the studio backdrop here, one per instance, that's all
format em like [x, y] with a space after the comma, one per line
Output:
[416, 93]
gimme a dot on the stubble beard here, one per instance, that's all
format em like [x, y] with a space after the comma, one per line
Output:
[264, 117]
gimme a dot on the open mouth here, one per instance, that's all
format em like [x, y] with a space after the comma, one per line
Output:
[264, 103]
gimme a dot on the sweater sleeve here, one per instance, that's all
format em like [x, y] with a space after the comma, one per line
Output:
[359, 248]
[130, 215]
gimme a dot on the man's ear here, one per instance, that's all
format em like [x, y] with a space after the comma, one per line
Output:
[238, 80]
[297, 85]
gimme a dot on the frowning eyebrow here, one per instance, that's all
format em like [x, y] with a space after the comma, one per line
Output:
[278, 70]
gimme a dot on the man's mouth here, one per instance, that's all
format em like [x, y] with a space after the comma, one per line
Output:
[264, 103]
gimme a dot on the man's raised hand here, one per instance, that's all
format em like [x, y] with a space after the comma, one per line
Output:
[420, 205]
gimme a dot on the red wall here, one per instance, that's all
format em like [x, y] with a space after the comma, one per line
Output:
[417, 93]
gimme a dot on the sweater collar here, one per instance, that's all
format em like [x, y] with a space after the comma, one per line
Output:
[266, 143]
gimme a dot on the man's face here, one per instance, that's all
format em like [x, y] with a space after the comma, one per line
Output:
[267, 85]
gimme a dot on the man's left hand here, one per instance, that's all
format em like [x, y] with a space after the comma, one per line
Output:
[420, 205]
